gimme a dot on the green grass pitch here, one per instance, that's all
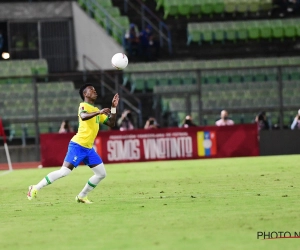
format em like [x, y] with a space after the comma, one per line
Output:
[195, 204]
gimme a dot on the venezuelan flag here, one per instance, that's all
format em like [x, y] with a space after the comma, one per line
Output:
[206, 141]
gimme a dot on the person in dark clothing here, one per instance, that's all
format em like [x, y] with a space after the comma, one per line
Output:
[132, 40]
[149, 45]
[262, 122]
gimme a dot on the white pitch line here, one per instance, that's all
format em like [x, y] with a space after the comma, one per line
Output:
[5, 172]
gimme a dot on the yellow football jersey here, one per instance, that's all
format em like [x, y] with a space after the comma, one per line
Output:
[88, 129]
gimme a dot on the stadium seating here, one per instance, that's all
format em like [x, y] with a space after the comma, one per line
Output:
[50, 98]
[212, 7]
[144, 81]
[108, 17]
[19, 71]
[243, 30]
[232, 96]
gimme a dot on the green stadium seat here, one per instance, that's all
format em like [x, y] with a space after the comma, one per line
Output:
[165, 104]
[151, 81]
[138, 82]
[242, 33]
[211, 7]
[254, 6]
[170, 8]
[184, 8]
[265, 5]
[231, 31]
[277, 29]
[195, 7]
[242, 6]
[297, 27]
[159, 3]
[230, 6]
[100, 17]
[206, 33]
[81, 3]
[265, 29]
[194, 34]
[218, 6]
[219, 34]
[177, 104]
[293, 61]
[207, 7]
[236, 76]
[253, 30]
[123, 21]
[105, 3]
[113, 11]
[223, 76]
[39, 67]
[289, 28]
[271, 74]
[210, 77]
[175, 78]
[163, 79]
[260, 75]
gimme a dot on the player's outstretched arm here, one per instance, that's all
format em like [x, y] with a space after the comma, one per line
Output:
[111, 121]
[86, 116]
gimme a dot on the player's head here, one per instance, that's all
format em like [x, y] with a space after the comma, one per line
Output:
[88, 90]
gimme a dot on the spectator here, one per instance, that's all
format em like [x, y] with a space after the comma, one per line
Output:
[65, 127]
[296, 122]
[188, 122]
[1, 41]
[262, 122]
[125, 122]
[224, 121]
[148, 42]
[132, 39]
[151, 123]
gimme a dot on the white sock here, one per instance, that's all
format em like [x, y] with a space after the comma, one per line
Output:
[53, 176]
[100, 174]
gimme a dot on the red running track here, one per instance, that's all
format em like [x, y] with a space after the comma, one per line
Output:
[20, 165]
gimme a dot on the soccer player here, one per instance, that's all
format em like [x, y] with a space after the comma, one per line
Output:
[81, 145]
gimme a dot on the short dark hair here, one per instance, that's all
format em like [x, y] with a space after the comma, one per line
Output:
[82, 88]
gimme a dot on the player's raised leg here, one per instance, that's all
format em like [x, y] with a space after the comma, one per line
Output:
[75, 155]
[49, 179]
[99, 175]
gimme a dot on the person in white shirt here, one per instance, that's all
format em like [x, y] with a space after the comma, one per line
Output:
[296, 122]
[224, 121]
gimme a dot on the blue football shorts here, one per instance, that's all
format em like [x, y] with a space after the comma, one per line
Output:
[77, 154]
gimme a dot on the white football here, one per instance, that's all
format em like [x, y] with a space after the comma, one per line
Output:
[119, 61]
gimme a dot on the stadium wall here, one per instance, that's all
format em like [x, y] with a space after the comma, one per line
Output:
[162, 144]
[275, 142]
[92, 40]
[280, 142]
[19, 153]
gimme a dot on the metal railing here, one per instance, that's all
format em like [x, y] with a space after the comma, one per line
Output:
[146, 15]
[110, 24]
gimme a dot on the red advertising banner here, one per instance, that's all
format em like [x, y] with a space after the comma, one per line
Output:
[160, 144]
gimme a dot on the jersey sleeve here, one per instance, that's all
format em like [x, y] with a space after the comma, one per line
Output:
[103, 118]
[83, 108]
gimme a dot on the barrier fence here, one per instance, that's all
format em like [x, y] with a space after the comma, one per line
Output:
[42, 102]
[160, 144]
